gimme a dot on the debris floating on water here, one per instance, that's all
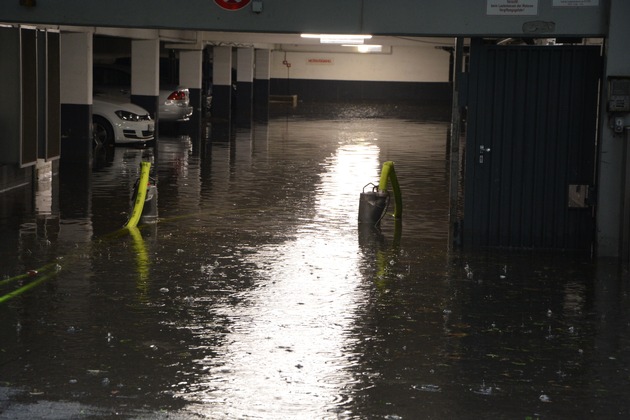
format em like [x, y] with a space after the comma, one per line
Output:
[427, 388]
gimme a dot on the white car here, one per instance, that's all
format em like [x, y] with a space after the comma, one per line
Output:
[118, 122]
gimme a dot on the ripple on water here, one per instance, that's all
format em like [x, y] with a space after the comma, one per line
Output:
[258, 295]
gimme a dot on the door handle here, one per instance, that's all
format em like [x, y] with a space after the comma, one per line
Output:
[483, 150]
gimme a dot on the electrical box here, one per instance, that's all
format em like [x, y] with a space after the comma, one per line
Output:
[619, 94]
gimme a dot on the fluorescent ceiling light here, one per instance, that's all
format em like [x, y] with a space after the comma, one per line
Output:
[354, 41]
[338, 38]
[369, 48]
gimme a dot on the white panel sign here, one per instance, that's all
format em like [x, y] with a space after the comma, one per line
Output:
[512, 7]
[575, 3]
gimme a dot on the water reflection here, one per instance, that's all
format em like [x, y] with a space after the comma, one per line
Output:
[143, 262]
[257, 295]
[289, 344]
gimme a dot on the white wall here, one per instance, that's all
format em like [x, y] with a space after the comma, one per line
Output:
[405, 64]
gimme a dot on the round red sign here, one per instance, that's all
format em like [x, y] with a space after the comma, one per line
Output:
[232, 4]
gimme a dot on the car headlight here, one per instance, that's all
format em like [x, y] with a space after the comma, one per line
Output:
[129, 116]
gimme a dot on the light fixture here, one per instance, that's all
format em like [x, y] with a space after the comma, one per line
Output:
[366, 48]
[338, 38]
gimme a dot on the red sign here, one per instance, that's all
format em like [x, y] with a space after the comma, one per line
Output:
[232, 4]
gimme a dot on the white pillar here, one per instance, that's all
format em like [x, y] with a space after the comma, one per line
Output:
[145, 74]
[75, 67]
[262, 76]
[75, 84]
[222, 83]
[244, 85]
[245, 63]
[190, 75]
[190, 64]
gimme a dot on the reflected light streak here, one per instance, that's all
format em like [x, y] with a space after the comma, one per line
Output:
[289, 351]
[143, 263]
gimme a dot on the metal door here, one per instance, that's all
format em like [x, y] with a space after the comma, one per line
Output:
[530, 146]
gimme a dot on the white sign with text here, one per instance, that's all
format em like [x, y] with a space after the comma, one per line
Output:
[512, 7]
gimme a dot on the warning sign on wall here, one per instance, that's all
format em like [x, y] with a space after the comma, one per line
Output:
[232, 4]
[326, 61]
[512, 7]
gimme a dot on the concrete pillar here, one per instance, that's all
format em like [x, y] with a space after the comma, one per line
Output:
[10, 110]
[145, 75]
[48, 95]
[613, 198]
[190, 75]
[222, 83]
[262, 76]
[75, 80]
[244, 86]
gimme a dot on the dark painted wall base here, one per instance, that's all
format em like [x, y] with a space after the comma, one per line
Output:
[148, 102]
[195, 100]
[192, 127]
[261, 100]
[244, 107]
[12, 177]
[420, 93]
[221, 102]
[76, 134]
[151, 104]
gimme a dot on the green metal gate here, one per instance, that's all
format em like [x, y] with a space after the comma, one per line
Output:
[531, 146]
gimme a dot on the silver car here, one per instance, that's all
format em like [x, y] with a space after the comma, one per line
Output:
[175, 104]
[113, 80]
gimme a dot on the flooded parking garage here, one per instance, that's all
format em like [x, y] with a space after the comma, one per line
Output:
[256, 294]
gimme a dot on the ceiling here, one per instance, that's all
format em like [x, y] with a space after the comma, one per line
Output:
[283, 41]
[271, 39]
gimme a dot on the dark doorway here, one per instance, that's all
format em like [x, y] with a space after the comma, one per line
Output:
[530, 147]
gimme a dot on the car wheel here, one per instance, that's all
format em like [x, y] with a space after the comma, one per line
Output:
[102, 131]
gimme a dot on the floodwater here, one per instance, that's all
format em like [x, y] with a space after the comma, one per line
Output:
[255, 294]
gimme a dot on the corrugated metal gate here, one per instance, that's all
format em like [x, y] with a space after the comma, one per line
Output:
[530, 146]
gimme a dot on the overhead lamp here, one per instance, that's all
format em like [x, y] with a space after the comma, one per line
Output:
[366, 48]
[338, 38]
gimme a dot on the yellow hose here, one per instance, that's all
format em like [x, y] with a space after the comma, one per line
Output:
[140, 196]
[30, 273]
[28, 286]
[388, 173]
